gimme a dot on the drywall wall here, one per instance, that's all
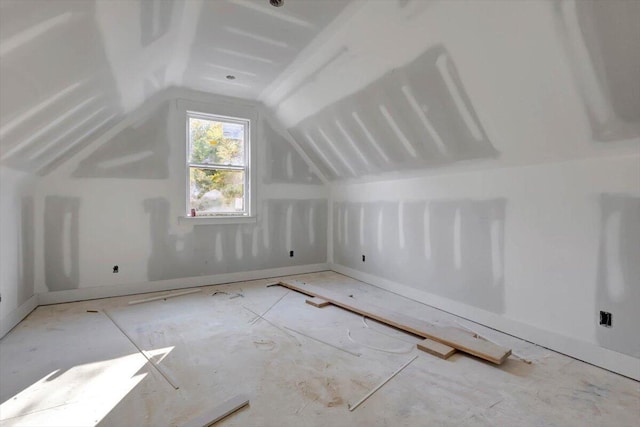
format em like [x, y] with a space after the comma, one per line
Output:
[372, 121]
[529, 227]
[17, 243]
[119, 202]
[451, 247]
[601, 40]
[396, 86]
[546, 245]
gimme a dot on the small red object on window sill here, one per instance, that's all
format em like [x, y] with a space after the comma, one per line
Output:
[193, 212]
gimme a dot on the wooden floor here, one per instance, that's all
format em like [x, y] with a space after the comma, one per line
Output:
[300, 366]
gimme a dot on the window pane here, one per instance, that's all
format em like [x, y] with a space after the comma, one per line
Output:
[214, 141]
[216, 191]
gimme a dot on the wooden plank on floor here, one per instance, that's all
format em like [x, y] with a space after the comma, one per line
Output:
[219, 412]
[317, 302]
[456, 339]
[436, 348]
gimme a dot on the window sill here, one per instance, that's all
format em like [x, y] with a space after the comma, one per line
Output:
[208, 220]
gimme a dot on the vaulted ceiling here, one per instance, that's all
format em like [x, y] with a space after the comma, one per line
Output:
[71, 69]
[364, 87]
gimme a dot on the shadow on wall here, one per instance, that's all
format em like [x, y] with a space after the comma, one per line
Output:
[61, 242]
[601, 38]
[55, 91]
[283, 225]
[413, 117]
[284, 164]
[141, 151]
[454, 249]
[618, 287]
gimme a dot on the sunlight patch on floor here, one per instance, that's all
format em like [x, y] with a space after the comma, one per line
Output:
[82, 395]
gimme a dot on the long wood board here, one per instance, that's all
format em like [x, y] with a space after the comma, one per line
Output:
[451, 337]
[221, 411]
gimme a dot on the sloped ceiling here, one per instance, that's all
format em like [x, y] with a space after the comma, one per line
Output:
[419, 85]
[71, 69]
[364, 87]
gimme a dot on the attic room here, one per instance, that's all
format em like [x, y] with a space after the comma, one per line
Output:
[319, 212]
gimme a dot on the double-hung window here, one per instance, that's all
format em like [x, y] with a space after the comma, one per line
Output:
[218, 165]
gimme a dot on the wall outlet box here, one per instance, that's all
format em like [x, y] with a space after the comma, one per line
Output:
[605, 319]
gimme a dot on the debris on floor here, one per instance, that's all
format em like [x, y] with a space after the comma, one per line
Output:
[164, 297]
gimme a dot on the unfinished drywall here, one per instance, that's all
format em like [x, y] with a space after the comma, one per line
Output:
[17, 241]
[285, 164]
[540, 245]
[396, 87]
[601, 39]
[423, 106]
[139, 151]
[255, 42]
[70, 70]
[283, 225]
[54, 79]
[618, 283]
[61, 242]
[468, 162]
[453, 248]
[119, 202]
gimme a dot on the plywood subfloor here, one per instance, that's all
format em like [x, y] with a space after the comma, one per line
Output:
[66, 366]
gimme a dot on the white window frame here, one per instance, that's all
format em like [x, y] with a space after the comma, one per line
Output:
[234, 113]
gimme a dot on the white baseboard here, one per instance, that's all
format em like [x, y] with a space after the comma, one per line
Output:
[83, 294]
[9, 321]
[587, 352]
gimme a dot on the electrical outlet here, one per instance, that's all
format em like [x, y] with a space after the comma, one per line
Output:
[605, 319]
[291, 254]
[116, 269]
[363, 258]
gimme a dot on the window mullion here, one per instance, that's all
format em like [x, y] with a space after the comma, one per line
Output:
[211, 166]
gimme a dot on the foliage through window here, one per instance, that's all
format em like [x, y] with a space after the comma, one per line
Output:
[218, 165]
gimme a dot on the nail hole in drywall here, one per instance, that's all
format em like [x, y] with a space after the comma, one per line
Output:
[116, 269]
[291, 254]
[605, 319]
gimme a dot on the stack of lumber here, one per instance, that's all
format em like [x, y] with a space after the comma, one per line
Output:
[439, 341]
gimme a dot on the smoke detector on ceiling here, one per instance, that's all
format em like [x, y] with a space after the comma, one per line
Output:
[276, 3]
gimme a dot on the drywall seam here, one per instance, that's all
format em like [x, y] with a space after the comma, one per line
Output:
[291, 75]
[125, 122]
[330, 225]
[598, 356]
[82, 294]
[275, 124]
[188, 27]
[8, 322]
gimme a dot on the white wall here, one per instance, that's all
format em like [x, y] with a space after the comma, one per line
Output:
[118, 202]
[17, 246]
[532, 252]
[533, 239]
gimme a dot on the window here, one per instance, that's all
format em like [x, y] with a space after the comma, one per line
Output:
[218, 161]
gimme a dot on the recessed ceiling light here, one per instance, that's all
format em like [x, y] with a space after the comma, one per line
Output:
[230, 77]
